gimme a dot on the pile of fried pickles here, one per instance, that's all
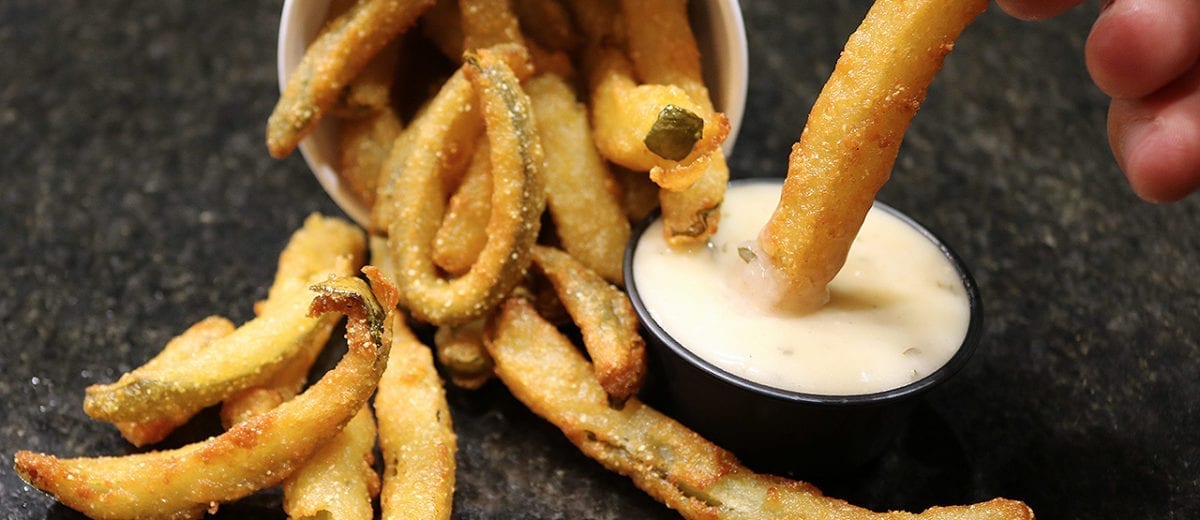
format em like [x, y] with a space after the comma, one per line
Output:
[503, 147]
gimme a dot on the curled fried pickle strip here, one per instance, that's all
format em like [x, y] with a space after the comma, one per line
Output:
[850, 142]
[253, 455]
[339, 479]
[415, 431]
[250, 355]
[332, 60]
[580, 192]
[518, 198]
[186, 344]
[664, 458]
[463, 232]
[461, 352]
[605, 318]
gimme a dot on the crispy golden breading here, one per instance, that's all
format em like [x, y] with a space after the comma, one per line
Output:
[332, 60]
[488, 22]
[667, 460]
[638, 194]
[371, 90]
[197, 337]
[605, 318]
[364, 144]
[624, 113]
[518, 197]
[580, 195]
[463, 232]
[415, 432]
[253, 455]
[850, 142]
[339, 480]
[250, 355]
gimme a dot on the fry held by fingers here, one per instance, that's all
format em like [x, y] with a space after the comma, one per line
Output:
[847, 149]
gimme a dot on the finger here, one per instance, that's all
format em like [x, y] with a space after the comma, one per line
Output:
[1036, 9]
[1156, 139]
[1138, 46]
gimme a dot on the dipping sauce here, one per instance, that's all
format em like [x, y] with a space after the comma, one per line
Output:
[897, 310]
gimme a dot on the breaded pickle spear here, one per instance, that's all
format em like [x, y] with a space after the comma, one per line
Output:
[664, 458]
[250, 355]
[255, 454]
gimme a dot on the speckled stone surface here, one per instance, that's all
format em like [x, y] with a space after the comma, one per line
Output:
[138, 197]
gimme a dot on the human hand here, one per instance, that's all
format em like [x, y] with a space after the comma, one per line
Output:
[1145, 54]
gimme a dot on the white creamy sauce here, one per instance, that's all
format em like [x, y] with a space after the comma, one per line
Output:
[897, 310]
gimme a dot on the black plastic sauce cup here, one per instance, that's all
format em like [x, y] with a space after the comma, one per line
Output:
[780, 430]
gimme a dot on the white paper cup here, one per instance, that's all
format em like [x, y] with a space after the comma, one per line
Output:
[720, 35]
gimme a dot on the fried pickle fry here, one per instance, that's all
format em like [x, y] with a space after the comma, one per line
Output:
[850, 142]
[665, 459]
[461, 352]
[371, 90]
[518, 197]
[463, 232]
[605, 318]
[332, 60]
[626, 114]
[692, 215]
[250, 355]
[402, 148]
[579, 188]
[284, 384]
[364, 144]
[195, 338]
[415, 431]
[253, 455]
[339, 480]
[488, 22]
[663, 50]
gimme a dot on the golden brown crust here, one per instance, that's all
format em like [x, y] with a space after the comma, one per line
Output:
[332, 61]
[255, 454]
[847, 149]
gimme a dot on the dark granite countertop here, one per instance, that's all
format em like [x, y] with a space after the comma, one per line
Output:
[138, 197]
